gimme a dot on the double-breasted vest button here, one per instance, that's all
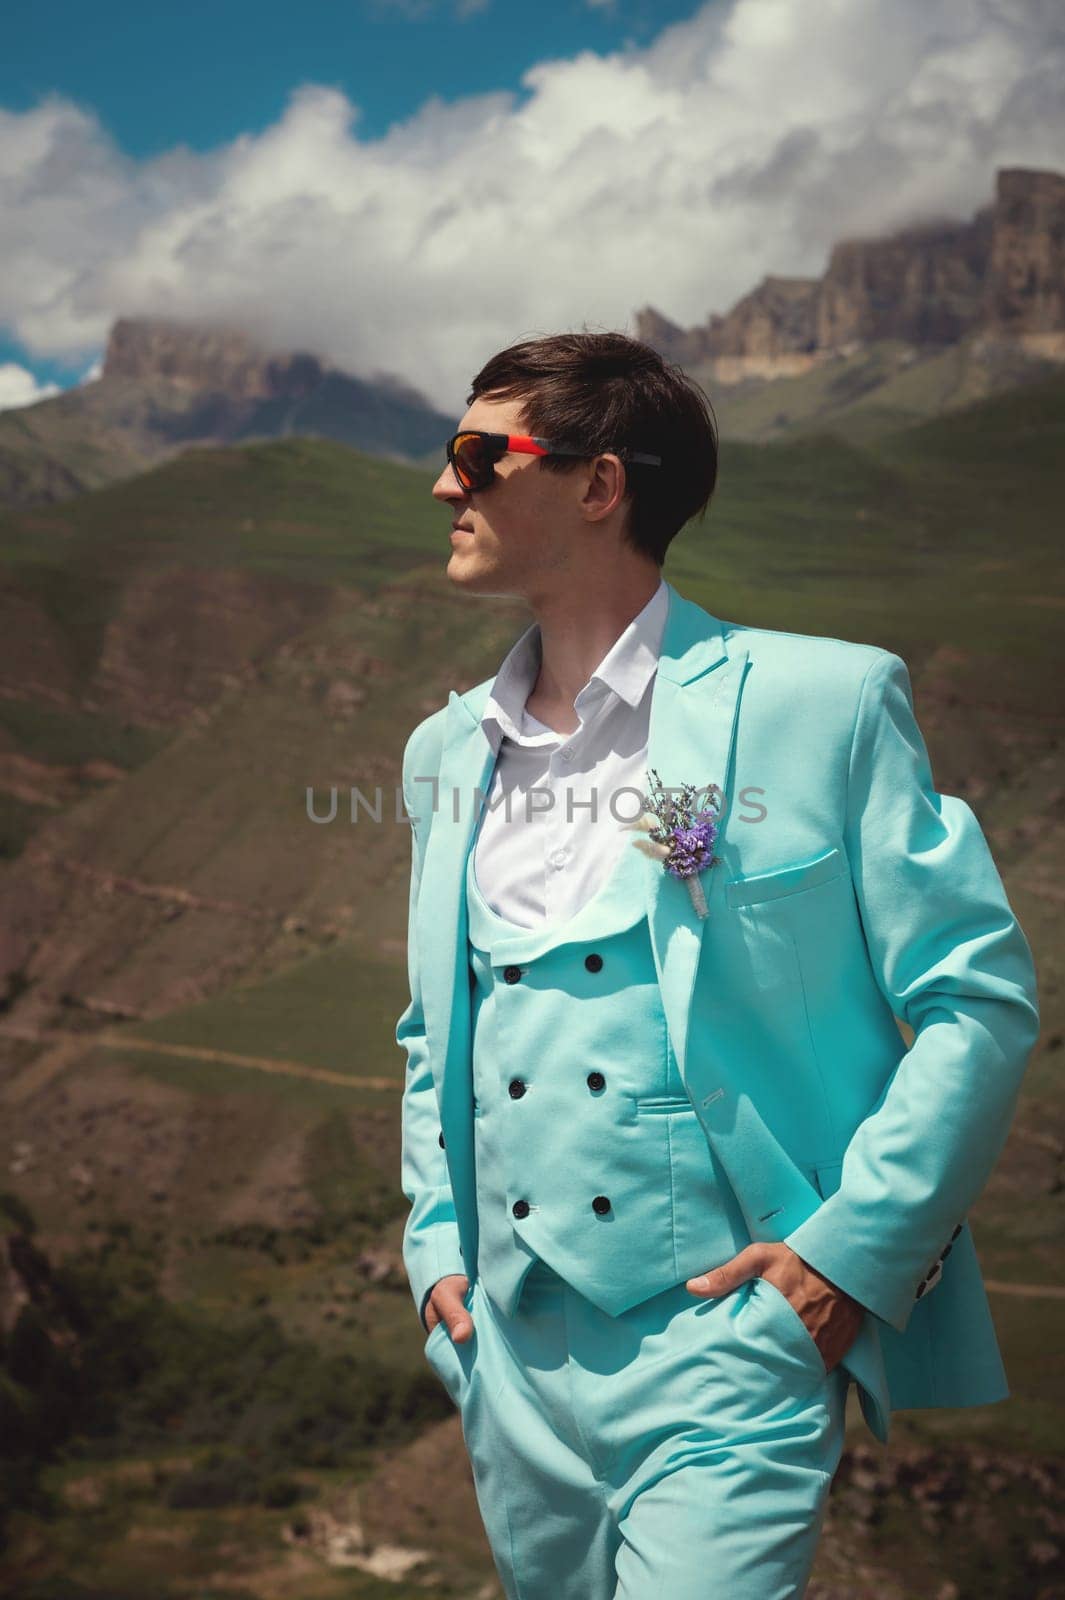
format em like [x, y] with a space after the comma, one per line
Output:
[520, 1208]
[511, 974]
[596, 1080]
[600, 1205]
[593, 962]
[516, 1088]
[440, 1139]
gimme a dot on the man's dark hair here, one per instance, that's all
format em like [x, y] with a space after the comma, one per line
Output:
[603, 392]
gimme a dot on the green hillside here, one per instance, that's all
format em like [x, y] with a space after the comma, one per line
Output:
[124, 610]
[197, 1062]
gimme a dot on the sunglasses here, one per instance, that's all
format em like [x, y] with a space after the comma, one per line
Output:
[473, 454]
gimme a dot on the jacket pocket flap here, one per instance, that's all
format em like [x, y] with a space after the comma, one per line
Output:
[784, 880]
[663, 1102]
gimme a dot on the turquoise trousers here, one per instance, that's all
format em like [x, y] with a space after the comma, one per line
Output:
[684, 1448]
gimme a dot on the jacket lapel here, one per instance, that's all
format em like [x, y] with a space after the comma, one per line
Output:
[694, 706]
[466, 765]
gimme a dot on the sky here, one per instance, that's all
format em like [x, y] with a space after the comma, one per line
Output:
[405, 186]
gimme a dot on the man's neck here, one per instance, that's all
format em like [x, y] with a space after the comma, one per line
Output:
[575, 635]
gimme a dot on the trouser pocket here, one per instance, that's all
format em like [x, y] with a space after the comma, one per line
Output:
[781, 1331]
[450, 1361]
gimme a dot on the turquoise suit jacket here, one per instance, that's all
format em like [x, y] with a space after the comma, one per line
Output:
[848, 893]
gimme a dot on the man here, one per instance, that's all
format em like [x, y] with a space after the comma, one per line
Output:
[675, 1181]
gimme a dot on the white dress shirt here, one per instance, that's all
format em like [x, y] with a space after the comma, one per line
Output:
[542, 851]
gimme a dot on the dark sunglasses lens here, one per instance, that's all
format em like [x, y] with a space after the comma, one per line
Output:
[472, 460]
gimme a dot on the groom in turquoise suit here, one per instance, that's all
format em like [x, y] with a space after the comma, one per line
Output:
[675, 1178]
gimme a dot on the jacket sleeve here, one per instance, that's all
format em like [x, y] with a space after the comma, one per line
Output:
[952, 961]
[430, 1236]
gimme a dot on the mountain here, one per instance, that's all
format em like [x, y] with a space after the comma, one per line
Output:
[899, 328]
[166, 385]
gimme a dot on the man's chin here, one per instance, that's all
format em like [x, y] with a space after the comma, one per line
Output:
[476, 576]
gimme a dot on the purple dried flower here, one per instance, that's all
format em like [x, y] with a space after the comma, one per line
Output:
[692, 849]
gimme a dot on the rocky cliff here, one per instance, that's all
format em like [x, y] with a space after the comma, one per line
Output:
[228, 361]
[1001, 274]
[252, 389]
[203, 357]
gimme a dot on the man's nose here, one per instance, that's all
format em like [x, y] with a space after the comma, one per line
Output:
[447, 486]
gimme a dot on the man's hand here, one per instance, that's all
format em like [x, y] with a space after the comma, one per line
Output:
[832, 1316]
[445, 1305]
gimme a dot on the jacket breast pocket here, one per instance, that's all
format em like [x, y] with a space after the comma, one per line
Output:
[762, 886]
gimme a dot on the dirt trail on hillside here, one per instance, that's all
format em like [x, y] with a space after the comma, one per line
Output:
[65, 1045]
[1034, 1291]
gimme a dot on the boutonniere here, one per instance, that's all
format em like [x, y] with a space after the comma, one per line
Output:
[679, 835]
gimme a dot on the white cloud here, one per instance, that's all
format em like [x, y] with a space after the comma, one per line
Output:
[20, 388]
[745, 140]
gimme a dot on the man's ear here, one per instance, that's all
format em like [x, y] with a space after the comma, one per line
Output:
[604, 487]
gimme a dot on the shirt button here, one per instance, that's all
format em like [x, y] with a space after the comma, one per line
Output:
[516, 1088]
[520, 1208]
[594, 963]
[600, 1205]
[512, 974]
[566, 753]
[596, 1080]
[558, 859]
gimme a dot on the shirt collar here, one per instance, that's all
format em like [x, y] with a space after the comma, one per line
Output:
[626, 669]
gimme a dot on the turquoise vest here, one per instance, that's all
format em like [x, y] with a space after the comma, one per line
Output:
[603, 1173]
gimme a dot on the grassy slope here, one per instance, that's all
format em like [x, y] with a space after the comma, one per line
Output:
[940, 542]
[302, 519]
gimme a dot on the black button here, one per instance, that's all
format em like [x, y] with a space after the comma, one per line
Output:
[596, 1080]
[440, 1139]
[600, 1205]
[512, 974]
[593, 963]
[520, 1208]
[516, 1088]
